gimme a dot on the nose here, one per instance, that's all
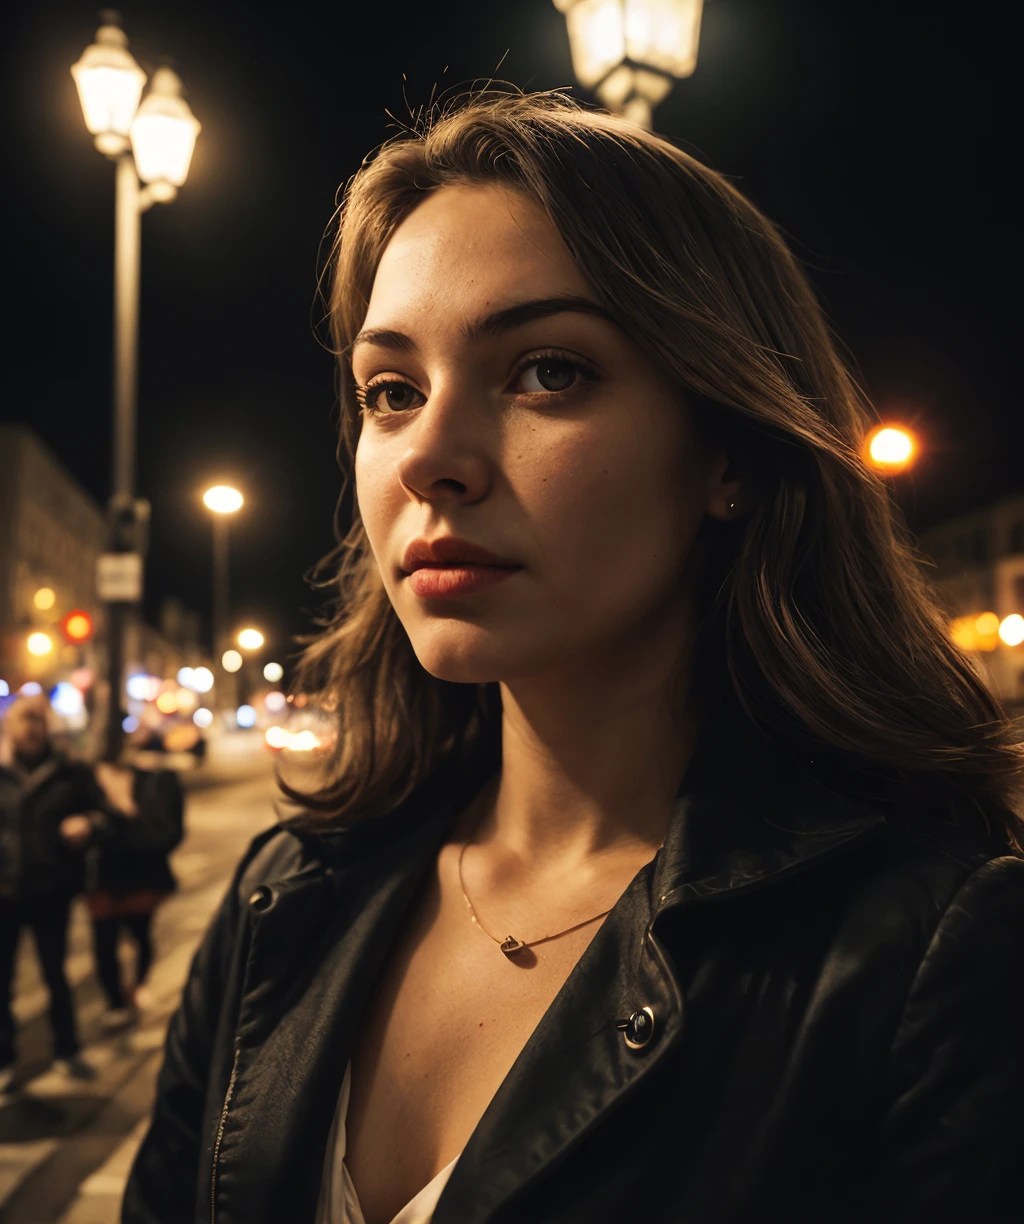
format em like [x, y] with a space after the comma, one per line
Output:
[450, 447]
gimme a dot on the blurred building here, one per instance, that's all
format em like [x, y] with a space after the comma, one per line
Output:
[979, 568]
[51, 532]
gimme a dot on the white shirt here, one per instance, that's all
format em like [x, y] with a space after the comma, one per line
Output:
[339, 1203]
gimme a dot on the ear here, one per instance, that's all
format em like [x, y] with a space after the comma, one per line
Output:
[728, 489]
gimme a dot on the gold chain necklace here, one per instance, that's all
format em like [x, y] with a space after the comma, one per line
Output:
[510, 945]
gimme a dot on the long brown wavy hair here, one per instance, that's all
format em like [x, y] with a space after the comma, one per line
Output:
[818, 628]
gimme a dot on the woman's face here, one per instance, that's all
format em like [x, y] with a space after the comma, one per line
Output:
[504, 408]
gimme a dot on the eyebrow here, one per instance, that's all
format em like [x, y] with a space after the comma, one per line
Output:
[497, 324]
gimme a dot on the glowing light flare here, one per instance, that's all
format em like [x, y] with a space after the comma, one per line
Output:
[129, 723]
[202, 717]
[275, 702]
[1011, 629]
[251, 639]
[245, 716]
[66, 700]
[5, 689]
[44, 598]
[167, 703]
[231, 660]
[890, 449]
[141, 687]
[222, 499]
[39, 644]
[185, 700]
[273, 672]
[77, 626]
[202, 680]
[31, 688]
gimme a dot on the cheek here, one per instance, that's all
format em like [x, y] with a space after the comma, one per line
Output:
[374, 493]
[617, 504]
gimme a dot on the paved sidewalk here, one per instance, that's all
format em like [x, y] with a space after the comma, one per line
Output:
[65, 1151]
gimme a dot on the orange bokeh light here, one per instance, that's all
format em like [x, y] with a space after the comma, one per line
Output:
[77, 626]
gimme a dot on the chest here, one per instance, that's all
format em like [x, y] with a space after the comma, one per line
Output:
[448, 1019]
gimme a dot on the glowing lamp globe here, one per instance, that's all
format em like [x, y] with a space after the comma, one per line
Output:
[222, 499]
[631, 50]
[109, 84]
[231, 660]
[44, 598]
[163, 134]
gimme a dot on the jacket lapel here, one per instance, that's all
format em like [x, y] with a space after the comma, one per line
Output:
[725, 839]
[574, 1066]
[316, 950]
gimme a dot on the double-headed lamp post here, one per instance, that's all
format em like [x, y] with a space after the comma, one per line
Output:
[630, 51]
[151, 138]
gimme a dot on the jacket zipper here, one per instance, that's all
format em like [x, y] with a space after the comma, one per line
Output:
[220, 1135]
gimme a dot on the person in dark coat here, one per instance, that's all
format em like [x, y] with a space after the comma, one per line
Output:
[131, 876]
[668, 865]
[51, 810]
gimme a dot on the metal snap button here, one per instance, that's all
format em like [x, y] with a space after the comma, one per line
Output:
[638, 1030]
[261, 898]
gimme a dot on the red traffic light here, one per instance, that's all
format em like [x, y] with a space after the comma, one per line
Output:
[77, 626]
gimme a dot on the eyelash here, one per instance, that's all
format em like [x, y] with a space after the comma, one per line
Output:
[586, 371]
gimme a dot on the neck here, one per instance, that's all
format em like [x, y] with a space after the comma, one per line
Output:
[590, 771]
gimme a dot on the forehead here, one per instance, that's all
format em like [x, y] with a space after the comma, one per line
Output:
[466, 249]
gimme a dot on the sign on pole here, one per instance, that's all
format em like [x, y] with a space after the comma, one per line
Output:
[119, 577]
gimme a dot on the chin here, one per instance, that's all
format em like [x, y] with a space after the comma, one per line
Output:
[465, 654]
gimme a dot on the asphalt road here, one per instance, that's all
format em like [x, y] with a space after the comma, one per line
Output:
[64, 1156]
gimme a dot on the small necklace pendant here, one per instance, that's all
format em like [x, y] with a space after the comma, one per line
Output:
[511, 945]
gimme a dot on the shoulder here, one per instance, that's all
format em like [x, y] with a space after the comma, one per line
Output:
[279, 854]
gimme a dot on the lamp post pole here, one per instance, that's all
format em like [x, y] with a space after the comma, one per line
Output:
[221, 553]
[223, 501]
[128, 208]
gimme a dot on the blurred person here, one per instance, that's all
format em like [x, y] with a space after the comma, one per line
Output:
[51, 810]
[670, 866]
[131, 876]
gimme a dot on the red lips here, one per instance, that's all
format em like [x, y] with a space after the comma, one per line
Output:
[450, 551]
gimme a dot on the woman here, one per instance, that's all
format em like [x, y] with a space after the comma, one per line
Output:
[669, 869]
[130, 878]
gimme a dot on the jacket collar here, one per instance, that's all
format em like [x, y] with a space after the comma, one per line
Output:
[30, 780]
[747, 815]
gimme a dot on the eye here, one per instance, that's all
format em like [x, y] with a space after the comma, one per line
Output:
[550, 374]
[388, 395]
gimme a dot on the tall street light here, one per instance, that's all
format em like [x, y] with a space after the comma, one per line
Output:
[151, 139]
[223, 501]
[630, 51]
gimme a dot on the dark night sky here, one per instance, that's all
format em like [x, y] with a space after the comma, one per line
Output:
[873, 135]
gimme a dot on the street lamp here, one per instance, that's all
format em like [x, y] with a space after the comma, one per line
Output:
[223, 501]
[153, 139]
[250, 639]
[629, 51]
[890, 449]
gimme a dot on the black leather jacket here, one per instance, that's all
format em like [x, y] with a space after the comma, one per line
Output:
[838, 1027]
[35, 861]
